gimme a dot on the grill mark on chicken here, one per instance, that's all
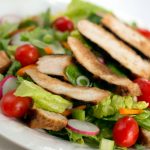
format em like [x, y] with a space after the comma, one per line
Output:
[42, 119]
[116, 48]
[127, 33]
[86, 94]
[89, 61]
[54, 64]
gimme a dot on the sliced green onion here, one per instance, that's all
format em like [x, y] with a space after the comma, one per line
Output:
[82, 81]
[78, 114]
[48, 38]
[72, 72]
[61, 36]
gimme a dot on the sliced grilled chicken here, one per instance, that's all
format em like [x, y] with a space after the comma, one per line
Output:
[126, 33]
[115, 48]
[4, 61]
[47, 120]
[89, 61]
[54, 64]
[145, 137]
[86, 94]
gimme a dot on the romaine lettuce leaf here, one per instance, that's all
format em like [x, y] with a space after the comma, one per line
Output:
[15, 66]
[144, 119]
[112, 104]
[42, 99]
[79, 9]
[6, 29]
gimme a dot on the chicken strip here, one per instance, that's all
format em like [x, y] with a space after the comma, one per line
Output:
[145, 137]
[4, 61]
[54, 64]
[115, 48]
[86, 94]
[127, 33]
[89, 61]
[47, 120]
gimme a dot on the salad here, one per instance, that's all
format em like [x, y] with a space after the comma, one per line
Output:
[82, 75]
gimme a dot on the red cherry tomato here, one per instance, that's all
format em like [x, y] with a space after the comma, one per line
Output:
[63, 24]
[27, 54]
[144, 32]
[126, 132]
[145, 89]
[14, 106]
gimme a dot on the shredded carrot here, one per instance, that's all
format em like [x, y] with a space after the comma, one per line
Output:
[69, 111]
[48, 50]
[125, 111]
[21, 71]
[65, 45]
[81, 107]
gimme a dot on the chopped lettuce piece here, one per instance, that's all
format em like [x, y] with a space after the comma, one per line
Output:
[140, 105]
[14, 68]
[78, 114]
[144, 123]
[11, 49]
[112, 104]
[42, 99]
[79, 9]
[81, 139]
[75, 137]
[6, 29]
[40, 38]
[37, 33]
[140, 147]
[46, 18]
[4, 44]
[144, 119]
[94, 18]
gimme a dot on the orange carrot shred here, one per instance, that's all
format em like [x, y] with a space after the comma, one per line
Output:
[126, 111]
[48, 50]
[21, 71]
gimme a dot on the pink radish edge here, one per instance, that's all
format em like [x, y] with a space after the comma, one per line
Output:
[4, 88]
[84, 132]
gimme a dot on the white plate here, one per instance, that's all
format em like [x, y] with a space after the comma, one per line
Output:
[128, 10]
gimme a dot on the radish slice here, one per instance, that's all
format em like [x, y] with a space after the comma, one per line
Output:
[9, 83]
[10, 19]
[16, 40]
[82, 127]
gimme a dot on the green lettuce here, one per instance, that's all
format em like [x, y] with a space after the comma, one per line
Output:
[15, 66]
[77, 76]
[112, 104]
[79, 9]
[6, 29]
[144, 119]
[42, 99]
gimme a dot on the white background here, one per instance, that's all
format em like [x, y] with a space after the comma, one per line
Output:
[129, 10]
